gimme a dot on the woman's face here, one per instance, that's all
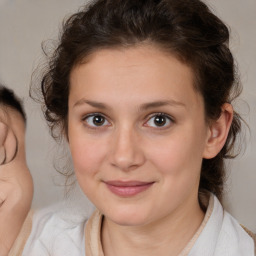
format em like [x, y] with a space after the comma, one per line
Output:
[137, 134]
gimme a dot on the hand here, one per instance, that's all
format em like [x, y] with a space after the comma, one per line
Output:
[8, 144]
[16, 188]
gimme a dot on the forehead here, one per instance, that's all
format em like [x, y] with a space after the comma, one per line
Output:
[131, 57]
[137, 71]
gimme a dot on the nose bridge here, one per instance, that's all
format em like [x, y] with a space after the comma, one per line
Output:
[126, 152]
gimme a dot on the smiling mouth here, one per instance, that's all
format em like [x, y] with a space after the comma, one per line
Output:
[127, 188]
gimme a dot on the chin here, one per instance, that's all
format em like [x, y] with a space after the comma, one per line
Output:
[127, 216]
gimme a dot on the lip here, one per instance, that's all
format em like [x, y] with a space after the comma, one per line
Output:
[127, 188]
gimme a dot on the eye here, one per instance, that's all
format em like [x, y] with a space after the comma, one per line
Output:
[96, 120]
[159, 120]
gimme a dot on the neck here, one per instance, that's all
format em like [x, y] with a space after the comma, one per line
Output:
[167, 236]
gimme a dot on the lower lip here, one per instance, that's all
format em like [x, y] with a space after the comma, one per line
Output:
[129, 191]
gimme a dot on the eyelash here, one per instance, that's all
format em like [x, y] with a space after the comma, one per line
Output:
[169, 119]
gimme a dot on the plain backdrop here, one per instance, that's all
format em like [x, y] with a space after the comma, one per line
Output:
[24, 24]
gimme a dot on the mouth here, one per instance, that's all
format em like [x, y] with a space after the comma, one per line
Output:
[127, 188]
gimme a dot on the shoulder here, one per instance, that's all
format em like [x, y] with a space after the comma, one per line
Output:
[56, 231]
[222, 234]
[233, 234]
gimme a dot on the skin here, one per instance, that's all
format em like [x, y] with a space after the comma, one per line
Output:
[16, 188]
[128, 88]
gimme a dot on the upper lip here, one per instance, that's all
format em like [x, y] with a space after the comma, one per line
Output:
[131, 183]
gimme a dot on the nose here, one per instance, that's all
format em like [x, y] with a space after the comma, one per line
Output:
[126, 150]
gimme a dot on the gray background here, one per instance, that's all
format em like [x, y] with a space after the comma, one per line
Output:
[24, 24]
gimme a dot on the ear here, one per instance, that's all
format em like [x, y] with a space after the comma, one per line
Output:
[218, 132]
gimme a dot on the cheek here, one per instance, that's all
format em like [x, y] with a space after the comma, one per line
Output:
[87, 156]
[179, 169]
[86, 162]
[179, 161]
[175, 154]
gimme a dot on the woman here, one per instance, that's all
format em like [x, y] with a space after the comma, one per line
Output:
[142, 92]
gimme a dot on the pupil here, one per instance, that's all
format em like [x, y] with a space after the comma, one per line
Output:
[160, 120]
[98, 120]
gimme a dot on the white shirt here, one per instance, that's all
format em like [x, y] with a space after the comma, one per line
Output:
[58, 233]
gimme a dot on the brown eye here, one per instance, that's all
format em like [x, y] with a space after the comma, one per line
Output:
[96, 120]
[159, 120]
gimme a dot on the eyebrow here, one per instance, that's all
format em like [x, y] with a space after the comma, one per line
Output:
[91, 103]
[156, 104]
[143, 107]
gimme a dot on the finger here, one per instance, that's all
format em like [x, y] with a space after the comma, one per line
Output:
[2, 193]
[11, 146]
[2, 155]
[3, 135]
[3, 132]
[2, 200]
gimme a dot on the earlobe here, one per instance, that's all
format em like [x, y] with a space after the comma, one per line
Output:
[218, 132]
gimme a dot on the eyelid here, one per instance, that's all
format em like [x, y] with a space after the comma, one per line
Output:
[161, 114]
[93, 114]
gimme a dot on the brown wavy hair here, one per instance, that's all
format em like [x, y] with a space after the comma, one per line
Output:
[187, 29]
